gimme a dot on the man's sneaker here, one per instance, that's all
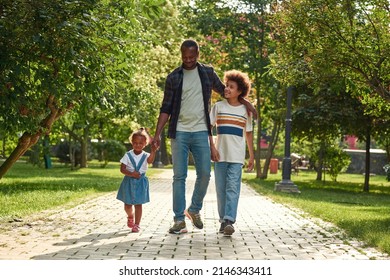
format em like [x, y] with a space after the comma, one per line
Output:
[178, 227]
[195, 219]
[229, 229]
[222, 227]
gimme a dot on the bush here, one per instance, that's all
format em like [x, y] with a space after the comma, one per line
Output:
[387, 170]
[109, 150]
[337, 161]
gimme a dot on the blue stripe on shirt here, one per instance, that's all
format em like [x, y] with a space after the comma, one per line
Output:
[230, 130]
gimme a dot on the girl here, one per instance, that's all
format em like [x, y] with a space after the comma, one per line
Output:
[134, 189]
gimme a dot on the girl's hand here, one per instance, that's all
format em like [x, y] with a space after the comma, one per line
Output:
[135, 174]
[153, 147]
[156, 142]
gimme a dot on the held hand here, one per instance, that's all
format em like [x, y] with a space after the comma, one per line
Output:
[156, 142]
[214, 154]
[153, 147]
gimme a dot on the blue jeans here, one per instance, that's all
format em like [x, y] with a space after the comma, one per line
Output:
[196, 143]
[228, 186]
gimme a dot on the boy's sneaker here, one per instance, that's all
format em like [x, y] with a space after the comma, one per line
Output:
[178, 227]
[229, 229]
[135, 228]
[222, 227]
[195, 219]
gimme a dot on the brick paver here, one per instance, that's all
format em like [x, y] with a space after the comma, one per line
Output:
[97, 230]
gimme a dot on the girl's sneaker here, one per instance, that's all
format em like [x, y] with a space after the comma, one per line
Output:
[130, 222]
[135, 228]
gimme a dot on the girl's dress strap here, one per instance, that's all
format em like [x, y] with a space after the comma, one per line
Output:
[136, 167]
[141, 161]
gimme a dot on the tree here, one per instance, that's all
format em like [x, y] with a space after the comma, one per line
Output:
[326, 39]
[54, 56]
[340, 45]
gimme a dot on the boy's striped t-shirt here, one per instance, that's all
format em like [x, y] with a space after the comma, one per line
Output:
[232, 122]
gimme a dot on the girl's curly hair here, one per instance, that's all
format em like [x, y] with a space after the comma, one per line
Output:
[143, 133]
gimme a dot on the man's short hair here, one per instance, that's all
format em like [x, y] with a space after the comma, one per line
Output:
[189, 43]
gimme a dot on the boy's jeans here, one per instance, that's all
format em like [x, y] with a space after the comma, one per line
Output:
[198, 144]
[228, 186]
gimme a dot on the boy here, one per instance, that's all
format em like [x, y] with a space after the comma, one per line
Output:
[234, 126]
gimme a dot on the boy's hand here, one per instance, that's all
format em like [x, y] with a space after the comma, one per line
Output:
[214, 154]
[251, 165]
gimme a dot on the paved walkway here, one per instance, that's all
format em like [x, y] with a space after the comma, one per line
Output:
[97, 230]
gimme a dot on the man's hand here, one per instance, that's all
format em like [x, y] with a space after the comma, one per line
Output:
[249, 107]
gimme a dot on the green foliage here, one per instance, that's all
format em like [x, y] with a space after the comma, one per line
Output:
[331, 155]
[35, 155]
[45, 51]
[325, 40]
[328, 112]
[387, 170]
[336, 160]
[57, 56]
[109, 150]
[336, 54]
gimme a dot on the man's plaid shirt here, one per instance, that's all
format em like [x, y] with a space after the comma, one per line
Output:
[173, 90]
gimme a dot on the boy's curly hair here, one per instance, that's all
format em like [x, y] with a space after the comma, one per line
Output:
[242, 80]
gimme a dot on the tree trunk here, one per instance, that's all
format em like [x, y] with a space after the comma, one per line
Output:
[164, 150]
[271, 147]
[3, 149]
[366, 187]
[28, 140]
[320, 161]
[84, 148]
[258, 137]
[25, 142]
[100, 140]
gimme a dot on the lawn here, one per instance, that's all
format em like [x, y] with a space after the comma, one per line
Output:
[27, 189]
[365, 216]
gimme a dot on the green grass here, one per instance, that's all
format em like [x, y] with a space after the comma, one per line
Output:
[28, 189]
[365, 216]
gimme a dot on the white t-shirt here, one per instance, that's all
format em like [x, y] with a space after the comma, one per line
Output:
[191, 117]
[129, 166]
[232, 123]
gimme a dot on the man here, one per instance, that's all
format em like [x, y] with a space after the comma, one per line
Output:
[186, 105]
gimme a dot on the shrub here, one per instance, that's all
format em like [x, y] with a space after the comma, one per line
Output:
[337, 161]
[109, 150]
[387, 170]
